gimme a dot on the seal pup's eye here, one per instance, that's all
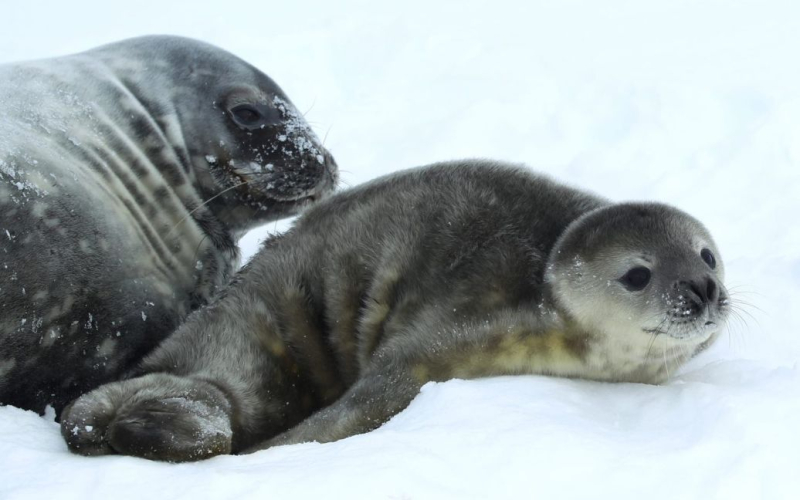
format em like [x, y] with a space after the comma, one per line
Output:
[636, 279]
[708, 257]
[246, 115]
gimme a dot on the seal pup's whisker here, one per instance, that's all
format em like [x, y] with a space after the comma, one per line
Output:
[741, 307]
[737, 301]
[740, 327]
[650, 345]
[741, 288]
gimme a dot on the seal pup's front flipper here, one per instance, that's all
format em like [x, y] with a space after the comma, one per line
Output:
[367, 405]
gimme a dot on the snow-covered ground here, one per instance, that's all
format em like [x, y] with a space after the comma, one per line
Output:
[694, 103]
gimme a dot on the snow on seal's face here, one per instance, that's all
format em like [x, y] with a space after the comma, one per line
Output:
[271, 147]
[642, 279]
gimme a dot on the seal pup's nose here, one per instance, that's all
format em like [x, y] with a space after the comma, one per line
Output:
[704, 291]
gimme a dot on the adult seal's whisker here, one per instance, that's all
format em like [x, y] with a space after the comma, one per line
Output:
[203, 204]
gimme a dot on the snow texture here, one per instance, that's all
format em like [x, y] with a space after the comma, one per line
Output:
[693, 103]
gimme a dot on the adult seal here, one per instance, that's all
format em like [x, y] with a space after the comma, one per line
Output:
[466, 269]
[126, 175]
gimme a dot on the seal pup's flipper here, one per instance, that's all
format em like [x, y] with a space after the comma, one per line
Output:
[367, 405]
[158, 417]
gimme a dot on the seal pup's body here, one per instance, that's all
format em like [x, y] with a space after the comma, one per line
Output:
[107, 160]
[463, 270]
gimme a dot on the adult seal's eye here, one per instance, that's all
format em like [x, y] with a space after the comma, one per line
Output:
[636, 279]
[247, 116]
[708, 257]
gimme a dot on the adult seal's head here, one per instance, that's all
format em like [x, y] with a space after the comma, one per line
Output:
[641, 275]
[126, 174]
[240, 132]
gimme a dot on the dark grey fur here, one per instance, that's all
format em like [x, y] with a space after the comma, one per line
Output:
[464, 269]
[106, 160]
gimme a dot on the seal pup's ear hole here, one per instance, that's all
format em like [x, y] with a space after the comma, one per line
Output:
[709, 258]
[636, 279]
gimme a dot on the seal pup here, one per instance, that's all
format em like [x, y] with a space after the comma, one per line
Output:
[464, 269]
[127, 173]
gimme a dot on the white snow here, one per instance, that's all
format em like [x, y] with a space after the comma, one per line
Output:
[693, 103]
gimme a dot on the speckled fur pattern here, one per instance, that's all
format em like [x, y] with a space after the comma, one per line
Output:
[462, 269]
[124, 184]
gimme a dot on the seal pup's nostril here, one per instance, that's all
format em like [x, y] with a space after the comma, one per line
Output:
[703, 291]
[712, 290]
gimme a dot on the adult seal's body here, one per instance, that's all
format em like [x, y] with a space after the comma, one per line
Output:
[457, 270]
[106, 161]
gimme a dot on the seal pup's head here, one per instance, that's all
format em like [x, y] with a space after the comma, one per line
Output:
[645, 281]
[236, 125]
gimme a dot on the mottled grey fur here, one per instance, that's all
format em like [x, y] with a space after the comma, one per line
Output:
[106, 160]
[463, 269]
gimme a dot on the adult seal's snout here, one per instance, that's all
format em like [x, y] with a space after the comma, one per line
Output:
[126, 173]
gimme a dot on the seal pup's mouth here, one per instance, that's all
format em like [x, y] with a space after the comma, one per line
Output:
[698, 326]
